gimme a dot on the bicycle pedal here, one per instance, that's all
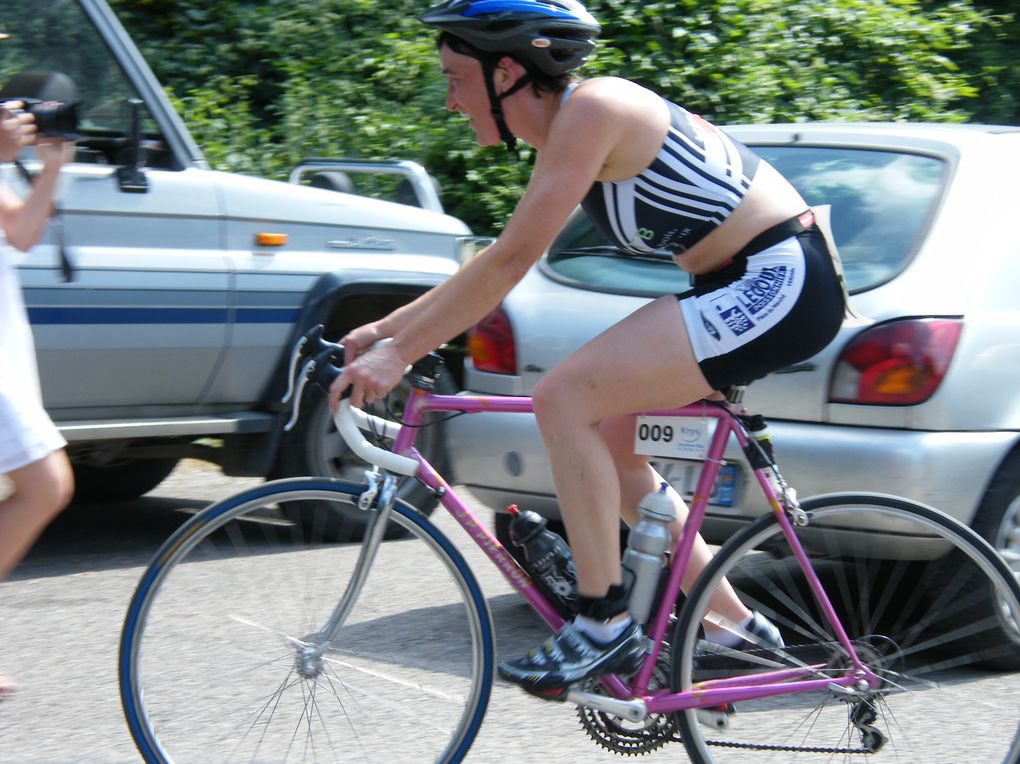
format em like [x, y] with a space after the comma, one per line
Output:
[717, 718]
[551, 693]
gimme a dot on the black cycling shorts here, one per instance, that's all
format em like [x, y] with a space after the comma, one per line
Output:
[778, 303]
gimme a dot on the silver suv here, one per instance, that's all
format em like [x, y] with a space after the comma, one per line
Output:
[191, 285]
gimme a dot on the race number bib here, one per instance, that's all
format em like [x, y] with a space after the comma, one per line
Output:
[673, 437]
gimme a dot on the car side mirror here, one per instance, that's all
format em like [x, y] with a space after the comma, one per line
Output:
[130, 177]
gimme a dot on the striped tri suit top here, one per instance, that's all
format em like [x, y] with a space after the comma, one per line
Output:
[695, 181]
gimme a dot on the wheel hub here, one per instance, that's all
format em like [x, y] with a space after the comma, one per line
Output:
[308, 661]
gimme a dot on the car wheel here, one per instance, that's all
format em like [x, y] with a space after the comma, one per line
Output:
[314, 448]
[121, 480]
[998, 518]
[998, 522]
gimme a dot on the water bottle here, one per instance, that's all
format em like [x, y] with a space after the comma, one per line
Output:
[649, 539]
[547, 559]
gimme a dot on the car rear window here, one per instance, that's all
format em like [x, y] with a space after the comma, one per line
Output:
[880, 201]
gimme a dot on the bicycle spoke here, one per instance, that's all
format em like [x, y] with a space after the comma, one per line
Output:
[405, 675]
[932, 613]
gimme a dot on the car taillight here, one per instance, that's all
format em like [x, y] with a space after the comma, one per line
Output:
[491, 344]
[899, 363]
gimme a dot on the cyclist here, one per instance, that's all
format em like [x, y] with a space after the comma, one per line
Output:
[652, 177]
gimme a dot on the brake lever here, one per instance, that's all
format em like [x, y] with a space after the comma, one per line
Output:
[295, 409]
[312, 335]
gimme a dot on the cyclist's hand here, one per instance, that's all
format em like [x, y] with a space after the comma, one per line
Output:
[359, 340]
[370, 377]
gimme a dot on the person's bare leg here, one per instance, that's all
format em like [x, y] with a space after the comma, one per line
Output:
[41, 490]
[638, 478]
[645, 362]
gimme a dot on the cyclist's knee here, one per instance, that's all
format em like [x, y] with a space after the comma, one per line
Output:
[555, 399]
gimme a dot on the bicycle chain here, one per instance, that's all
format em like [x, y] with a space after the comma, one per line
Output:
[660, 729]
[603, 730]
[783, 748]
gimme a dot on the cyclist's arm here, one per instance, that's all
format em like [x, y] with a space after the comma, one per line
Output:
[582, 137]
[587, 137]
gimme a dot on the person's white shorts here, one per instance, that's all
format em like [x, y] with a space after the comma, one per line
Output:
[27, 434]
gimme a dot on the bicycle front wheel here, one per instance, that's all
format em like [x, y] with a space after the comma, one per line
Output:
[224, 658]
[929, 607]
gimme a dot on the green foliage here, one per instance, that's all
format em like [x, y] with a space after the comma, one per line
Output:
[264, 84]
[995, 66]
[777, 61]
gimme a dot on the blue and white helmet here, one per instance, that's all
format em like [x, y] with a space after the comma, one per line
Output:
[553, 36]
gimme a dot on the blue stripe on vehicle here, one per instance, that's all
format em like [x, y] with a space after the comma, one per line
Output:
[266, 315]
[111, 315]
[126, 298]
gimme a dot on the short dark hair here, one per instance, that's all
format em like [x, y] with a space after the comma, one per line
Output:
[540, 81]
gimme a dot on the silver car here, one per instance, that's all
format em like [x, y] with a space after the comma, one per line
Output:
[918, 397]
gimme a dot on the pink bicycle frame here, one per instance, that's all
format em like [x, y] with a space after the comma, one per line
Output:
[708, 694]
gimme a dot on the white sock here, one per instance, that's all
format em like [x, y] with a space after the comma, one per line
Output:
[602, 632]
[728, 638]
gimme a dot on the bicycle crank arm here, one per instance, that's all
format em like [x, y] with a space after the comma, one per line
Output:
[632, 710]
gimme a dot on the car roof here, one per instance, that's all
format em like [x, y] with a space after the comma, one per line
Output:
[918, 135]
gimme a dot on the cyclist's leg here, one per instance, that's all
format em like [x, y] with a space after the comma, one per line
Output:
[41, 490]
[638, 478]
[644, 362]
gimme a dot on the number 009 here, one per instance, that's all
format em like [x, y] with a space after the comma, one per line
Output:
[655, 433]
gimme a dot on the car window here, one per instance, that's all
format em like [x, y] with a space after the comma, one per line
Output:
[581, 257]
[880, 202]
[57, 35]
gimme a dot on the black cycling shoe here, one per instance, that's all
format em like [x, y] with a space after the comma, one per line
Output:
[760, 649]
[569, 657]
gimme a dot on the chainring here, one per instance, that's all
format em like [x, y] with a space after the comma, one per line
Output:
[619, 735]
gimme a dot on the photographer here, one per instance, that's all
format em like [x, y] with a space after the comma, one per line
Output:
[31, 447]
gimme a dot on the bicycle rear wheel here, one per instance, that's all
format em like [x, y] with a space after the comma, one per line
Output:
[222, 657]
[930, 607]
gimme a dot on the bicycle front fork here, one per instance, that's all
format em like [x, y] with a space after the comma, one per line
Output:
[380, 493]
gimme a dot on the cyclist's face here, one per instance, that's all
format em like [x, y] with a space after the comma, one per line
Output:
[466, 93]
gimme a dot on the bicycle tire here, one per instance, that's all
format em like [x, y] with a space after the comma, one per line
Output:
[214, 662]
[928, 604]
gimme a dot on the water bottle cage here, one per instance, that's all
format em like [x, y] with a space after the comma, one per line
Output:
[759, 454]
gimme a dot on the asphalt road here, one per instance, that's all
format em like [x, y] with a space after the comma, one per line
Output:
[61, 614]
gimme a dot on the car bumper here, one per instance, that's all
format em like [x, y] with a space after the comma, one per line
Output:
[501, 460]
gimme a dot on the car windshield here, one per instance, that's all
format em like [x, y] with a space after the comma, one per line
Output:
[880, 201]
[57, 35]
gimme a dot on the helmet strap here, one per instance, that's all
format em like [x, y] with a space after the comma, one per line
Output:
[489, 64]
